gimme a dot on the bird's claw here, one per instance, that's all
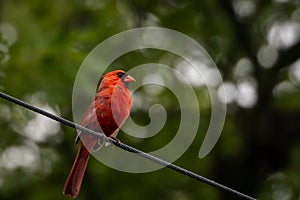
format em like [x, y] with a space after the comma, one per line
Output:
[116, 140]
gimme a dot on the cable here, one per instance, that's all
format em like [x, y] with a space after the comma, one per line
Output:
[126, 147]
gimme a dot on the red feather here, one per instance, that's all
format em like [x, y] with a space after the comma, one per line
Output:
[106, 114]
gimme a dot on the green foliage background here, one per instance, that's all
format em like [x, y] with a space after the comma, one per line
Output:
[42, 45]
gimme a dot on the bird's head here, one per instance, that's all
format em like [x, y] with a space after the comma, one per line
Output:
[118, 75]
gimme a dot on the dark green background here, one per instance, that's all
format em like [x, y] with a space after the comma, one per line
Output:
[259, 150]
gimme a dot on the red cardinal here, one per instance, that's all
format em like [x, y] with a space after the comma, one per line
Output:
[106, 114]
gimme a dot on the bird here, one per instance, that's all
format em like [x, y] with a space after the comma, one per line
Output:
[106, 114]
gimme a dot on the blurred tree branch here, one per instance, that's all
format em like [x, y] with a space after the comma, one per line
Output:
[288, 56]
[266, 78]
[240, 31]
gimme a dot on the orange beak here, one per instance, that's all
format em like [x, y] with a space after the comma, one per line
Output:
[129, 79]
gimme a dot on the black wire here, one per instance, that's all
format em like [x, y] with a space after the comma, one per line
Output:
[126, 147]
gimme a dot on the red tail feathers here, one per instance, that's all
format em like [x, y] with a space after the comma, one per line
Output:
[74, 180]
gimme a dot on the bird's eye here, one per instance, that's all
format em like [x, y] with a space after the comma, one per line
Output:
[120, 74]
